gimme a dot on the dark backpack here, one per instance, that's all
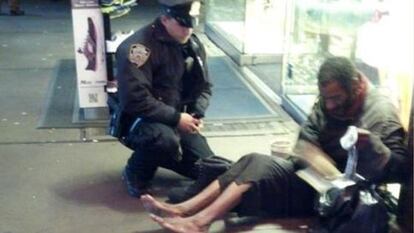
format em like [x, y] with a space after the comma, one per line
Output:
[354, 209]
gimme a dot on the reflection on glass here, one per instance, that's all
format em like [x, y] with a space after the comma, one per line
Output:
[227, 18]
[252, 26]
[321, 28]
[265, 26]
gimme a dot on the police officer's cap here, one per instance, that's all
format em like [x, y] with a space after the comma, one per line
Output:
[180, 10]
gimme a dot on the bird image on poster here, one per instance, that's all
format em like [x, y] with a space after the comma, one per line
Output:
[89, 47]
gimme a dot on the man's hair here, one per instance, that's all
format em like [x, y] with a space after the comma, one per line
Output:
[338, 69]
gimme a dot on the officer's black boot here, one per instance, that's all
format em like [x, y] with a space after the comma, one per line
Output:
[16, 12]
[209, 171]
[138, 172]
[135, 186]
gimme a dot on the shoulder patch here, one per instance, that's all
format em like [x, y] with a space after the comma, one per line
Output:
[138, 54]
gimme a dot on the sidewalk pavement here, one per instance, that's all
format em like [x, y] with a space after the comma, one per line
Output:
[68, 180]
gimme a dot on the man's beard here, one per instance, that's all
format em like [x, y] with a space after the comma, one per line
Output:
[342, 112]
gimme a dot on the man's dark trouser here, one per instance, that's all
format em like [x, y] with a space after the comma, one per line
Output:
[157, 144]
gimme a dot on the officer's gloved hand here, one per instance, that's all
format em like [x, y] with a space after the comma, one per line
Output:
[372, 153]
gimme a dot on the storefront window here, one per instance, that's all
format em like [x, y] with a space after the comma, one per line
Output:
[254, 28]
[227, 18]
[377, 35]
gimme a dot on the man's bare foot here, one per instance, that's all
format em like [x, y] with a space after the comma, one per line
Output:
[179, 224]
[160, 208]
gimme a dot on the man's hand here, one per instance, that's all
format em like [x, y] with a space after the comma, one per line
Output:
[373, 154]
[189, 124]
[200, 123]
[370, 144]
[363, 138]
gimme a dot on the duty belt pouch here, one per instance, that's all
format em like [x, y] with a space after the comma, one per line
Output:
[352, 205]
[114, 127]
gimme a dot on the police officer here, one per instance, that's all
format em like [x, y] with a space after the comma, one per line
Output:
[14, 7]
[164, 90]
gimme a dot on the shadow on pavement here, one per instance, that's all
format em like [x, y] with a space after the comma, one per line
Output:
[109, 190]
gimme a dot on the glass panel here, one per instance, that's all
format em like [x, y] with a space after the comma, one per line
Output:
[265, 25]
[376, 34]
[252, 26]
[227, 17]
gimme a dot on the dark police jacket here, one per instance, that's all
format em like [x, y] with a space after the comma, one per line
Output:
[160, 89]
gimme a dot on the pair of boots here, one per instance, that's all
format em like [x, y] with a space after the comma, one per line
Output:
[210, 169]
[16, 12]
[14, 7]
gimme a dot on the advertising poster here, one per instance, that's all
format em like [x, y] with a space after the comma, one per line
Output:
[89, 44]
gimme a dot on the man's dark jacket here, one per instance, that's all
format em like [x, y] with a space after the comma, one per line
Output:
[155, 91]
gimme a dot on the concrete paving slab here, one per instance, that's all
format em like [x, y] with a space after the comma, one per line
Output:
[22, 92]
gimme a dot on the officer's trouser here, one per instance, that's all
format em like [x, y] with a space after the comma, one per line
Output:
[158, 145]
[13, 4]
